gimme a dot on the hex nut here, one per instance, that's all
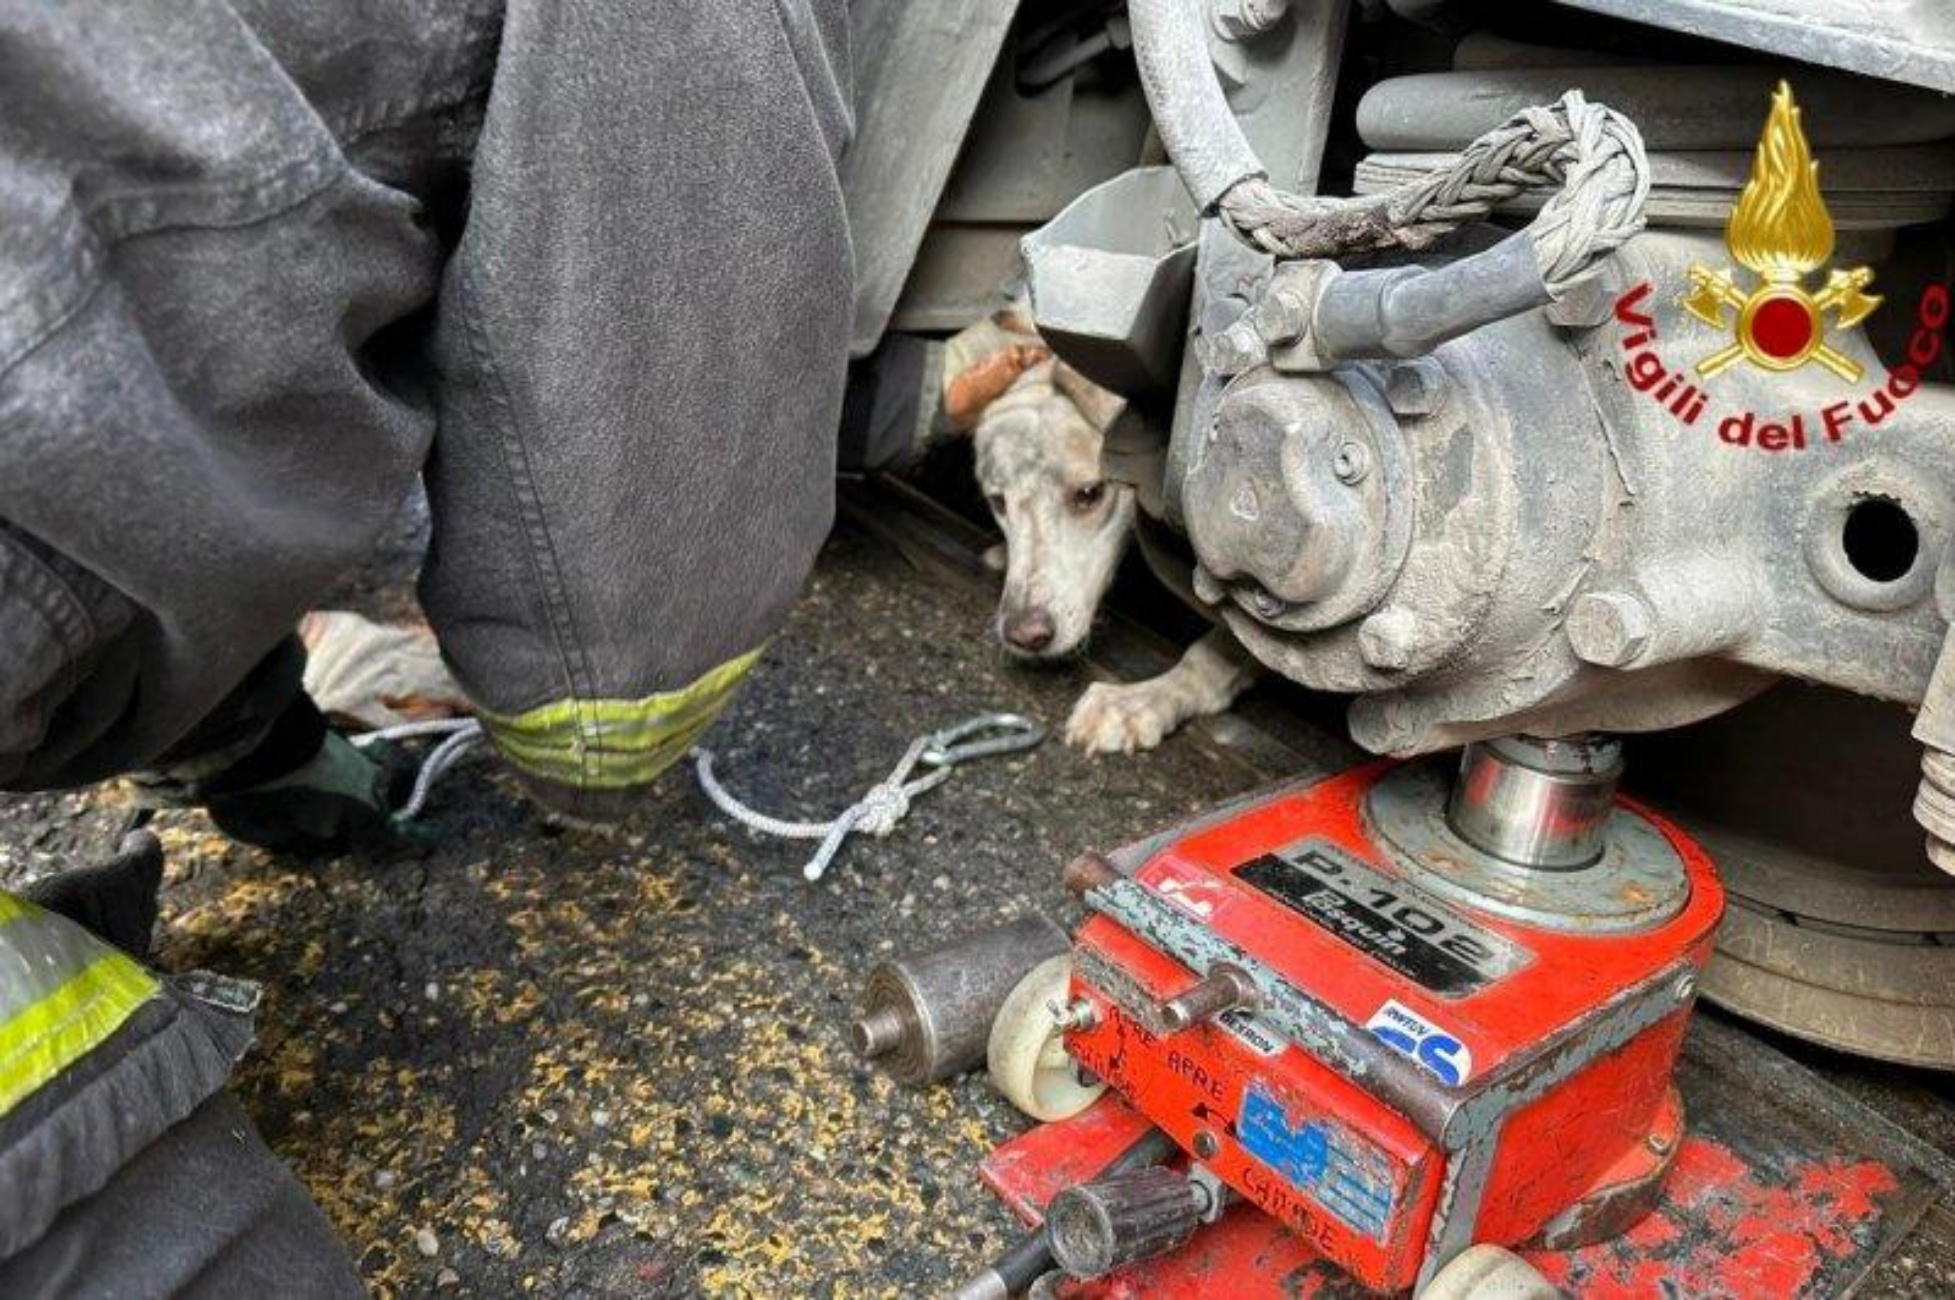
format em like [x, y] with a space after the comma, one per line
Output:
[1415, 387]
[1610, 629]
[1282, 315]
[1233, 350]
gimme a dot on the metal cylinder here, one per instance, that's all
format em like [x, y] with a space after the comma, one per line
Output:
[1088, 872]
[1537, 802]
[927, 1016]
[1098, 1226]
[1224, 988]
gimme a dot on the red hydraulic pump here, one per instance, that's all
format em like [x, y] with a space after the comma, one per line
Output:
[1403, 1014]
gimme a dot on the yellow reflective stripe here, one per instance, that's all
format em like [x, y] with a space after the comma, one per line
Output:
[43, 1039]
[609, 744]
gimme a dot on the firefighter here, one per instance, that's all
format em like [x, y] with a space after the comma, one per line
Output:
[582, 269]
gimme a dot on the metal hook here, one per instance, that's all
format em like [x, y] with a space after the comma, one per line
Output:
[981, 737]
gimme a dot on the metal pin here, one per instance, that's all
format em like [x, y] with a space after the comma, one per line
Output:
[1225, 988]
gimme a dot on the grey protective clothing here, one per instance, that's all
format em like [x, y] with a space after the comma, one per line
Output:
[205, 1212]
[125, 1170]
[262, 261]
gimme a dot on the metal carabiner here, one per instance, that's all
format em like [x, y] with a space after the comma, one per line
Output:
[981, 737]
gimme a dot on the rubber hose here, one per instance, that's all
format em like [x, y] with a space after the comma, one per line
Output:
[1200, 133]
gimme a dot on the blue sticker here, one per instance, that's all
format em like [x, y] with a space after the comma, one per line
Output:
[1341, 1172]
[1408, 1033]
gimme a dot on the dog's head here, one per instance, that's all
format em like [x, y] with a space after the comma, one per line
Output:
[1038, 445]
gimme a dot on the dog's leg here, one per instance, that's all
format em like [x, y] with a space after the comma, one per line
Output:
[1123, 717]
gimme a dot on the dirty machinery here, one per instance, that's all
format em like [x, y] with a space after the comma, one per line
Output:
[1576, 423]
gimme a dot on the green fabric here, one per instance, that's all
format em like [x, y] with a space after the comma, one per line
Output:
[613, 744]
[340, 797]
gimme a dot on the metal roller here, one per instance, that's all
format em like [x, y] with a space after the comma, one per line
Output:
[928, 1016]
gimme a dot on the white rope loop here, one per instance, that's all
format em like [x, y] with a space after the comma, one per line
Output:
[1592, 155]
[886, 803]
[877, 813]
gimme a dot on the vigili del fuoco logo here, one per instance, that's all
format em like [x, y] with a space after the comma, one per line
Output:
[1780, 232]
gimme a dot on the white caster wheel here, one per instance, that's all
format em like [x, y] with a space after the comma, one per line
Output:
[1027, 1052]
[1488, 1273]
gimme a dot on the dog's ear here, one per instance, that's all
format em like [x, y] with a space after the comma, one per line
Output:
[1100, 406]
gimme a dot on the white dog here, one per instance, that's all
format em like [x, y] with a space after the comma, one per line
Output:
[1038, 427]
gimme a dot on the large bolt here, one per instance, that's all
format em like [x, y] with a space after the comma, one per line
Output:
[1610, 629]
[1242, 20]
[1934, 806]
[1233, 350]
[1416, 387]
[1389, 639]
[1282, 315]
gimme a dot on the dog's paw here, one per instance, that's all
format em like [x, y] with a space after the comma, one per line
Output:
[1120, 718]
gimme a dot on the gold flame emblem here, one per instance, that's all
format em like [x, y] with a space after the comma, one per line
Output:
[1782, 231]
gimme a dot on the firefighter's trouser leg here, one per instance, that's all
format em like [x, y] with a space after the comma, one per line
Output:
[125, 1169]
[649, 454]
[254, 253]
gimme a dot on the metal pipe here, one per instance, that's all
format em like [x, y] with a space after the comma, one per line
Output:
[1408, 311]
[1088, 872]
[1224, 988]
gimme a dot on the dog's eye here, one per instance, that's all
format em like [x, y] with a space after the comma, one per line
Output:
[996, 502]
[1085, 498]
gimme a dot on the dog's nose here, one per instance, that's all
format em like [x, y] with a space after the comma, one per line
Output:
[1031, 630]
